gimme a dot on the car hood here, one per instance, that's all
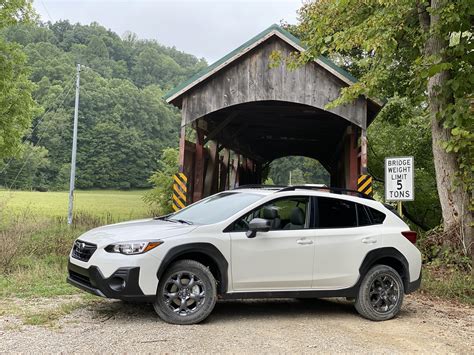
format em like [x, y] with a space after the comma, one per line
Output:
[143, 229]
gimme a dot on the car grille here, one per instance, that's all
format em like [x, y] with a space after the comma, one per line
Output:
[83, 250]
[80, 278]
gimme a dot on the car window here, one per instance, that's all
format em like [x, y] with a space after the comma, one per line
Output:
[336, 213]
[285, 214]
[362, 216]
[216, 208]
[377, 216]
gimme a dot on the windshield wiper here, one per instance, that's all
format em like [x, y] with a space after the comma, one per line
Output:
[162, 218]
[181, 221]
[168, 219]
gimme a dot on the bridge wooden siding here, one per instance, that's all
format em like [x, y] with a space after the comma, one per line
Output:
[245, 112]
[254, 79]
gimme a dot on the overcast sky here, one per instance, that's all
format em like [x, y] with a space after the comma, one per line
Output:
[205, 28]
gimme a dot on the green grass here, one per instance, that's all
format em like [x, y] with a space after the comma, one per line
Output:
[121, 205]
[35, 239]
[448, 283]
[37, 277]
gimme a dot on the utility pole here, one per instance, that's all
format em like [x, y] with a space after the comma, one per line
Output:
[74, 148]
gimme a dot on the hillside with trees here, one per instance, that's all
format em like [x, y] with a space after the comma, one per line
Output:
[124, 124]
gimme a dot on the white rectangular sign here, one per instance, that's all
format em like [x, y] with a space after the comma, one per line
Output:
[399, 179]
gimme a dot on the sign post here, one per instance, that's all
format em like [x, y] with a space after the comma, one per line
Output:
[399, 180]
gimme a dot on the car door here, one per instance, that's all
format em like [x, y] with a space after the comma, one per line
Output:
[341, 242]
[280, 259]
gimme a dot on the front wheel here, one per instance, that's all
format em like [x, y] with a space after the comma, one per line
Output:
[380, 294]
[186, 293]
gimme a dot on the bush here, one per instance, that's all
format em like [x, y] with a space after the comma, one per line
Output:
[160, 197]
[11, 238]
[445, 248]
[447, 269]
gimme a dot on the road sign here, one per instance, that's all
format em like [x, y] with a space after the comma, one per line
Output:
[364, 184]
[399, 175]
[180, 191]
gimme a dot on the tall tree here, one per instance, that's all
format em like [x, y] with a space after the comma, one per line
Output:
[421, 51]
[16, 104]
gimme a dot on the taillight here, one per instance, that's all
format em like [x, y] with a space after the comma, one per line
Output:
[410, 235]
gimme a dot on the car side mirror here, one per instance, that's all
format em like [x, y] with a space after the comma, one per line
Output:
[258, 225]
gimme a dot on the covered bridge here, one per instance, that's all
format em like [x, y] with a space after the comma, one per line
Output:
[242, 112]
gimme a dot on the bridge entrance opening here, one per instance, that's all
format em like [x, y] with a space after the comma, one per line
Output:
[297, 170]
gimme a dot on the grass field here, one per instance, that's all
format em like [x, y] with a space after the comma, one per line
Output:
[121, 205]
[35, 238]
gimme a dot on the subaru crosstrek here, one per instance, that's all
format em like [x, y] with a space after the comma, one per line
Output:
[254, 243]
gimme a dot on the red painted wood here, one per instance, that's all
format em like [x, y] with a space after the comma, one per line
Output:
[198, 166]
[353, 168]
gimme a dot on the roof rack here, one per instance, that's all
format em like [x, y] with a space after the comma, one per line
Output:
[260, 186]
[283, 188]
[337, 190]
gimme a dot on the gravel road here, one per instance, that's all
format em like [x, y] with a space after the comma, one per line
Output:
[248, 326]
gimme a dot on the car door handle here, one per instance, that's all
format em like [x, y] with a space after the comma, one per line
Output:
[304, 241]
[369, 240]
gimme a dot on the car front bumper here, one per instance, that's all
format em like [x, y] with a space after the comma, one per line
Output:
[122, 284]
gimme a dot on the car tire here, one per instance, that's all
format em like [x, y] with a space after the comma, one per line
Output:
[380, 295]
[186, 293]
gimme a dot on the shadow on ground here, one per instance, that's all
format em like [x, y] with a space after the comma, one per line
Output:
[230, 310]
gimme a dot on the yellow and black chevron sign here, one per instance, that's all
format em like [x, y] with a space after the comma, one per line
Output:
[179, 191]
[364, 184]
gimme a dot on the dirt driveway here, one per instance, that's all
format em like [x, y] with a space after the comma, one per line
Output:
[249, 326]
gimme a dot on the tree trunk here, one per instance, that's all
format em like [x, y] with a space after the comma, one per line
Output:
[454, 199]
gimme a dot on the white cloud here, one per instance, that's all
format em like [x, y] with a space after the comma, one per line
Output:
[207, 28]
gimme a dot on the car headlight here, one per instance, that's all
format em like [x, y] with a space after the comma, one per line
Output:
[133, 247]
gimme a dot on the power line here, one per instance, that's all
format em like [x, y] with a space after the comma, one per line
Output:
[38, 122]
[47, 12]
[34, 145]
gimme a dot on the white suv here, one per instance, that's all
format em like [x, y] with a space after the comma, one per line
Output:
[254, 243]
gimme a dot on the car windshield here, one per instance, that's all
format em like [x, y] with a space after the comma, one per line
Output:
[216, 208]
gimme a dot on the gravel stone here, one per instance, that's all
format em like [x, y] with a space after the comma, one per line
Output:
[282, 325]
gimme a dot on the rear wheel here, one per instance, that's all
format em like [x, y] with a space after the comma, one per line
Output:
[186, 293]
[380, 294]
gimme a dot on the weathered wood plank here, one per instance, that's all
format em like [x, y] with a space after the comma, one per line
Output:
[250, 79]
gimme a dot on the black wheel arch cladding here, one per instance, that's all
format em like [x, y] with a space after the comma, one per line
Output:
[386, 256]
[206, 251]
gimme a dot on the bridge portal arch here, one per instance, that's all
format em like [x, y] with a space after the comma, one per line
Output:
[246, 111]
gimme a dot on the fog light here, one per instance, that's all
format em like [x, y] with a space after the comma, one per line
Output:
[117, 284]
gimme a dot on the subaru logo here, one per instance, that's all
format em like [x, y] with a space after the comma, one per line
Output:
[80, 245]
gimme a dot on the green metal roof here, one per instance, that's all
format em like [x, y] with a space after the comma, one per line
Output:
[249, 43]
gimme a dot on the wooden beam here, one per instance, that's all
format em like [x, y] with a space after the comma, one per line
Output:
[237, 171]
[199, 166]
[351, 171]
[210, 171]
[224, 171]
[231, 178]
[220, 127]
[182, 148]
